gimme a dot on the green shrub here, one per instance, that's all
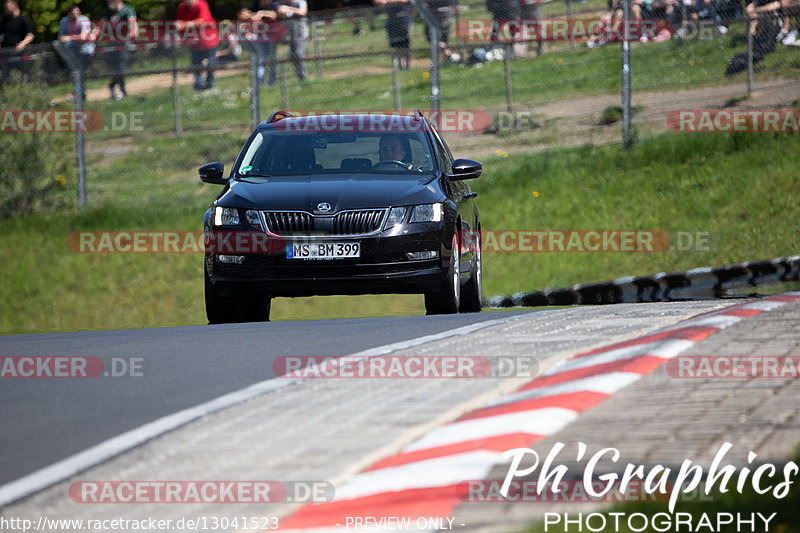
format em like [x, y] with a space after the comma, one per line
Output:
[37, 167]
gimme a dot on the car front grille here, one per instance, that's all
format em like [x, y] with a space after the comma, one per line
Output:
[358, 222]
[289, 222]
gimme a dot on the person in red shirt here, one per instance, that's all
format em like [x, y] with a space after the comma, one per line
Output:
[199, 30]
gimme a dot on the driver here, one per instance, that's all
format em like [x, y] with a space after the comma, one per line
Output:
[391, 148]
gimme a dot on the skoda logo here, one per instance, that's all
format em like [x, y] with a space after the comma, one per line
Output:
[323, 207]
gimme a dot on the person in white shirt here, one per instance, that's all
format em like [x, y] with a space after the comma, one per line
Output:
[294, 13]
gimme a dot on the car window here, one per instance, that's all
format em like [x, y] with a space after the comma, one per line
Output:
[446, 158]
[276, 152]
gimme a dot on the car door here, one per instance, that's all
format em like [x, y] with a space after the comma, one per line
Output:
[464, 198]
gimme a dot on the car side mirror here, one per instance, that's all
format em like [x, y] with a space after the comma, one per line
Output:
[212, 173]
[465, 169]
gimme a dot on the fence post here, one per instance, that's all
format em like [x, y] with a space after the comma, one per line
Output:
[255, 97]
[749, 60]
[396, 81]
[507, 70]
[80, 139]
[459, 40]
[284, 92]
[433, 31]
[570, 17]
[75, 66]
[626, 75]
[315, 37]
[176, 101]
[435, 81]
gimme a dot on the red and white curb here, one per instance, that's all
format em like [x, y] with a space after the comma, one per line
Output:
[422, 479]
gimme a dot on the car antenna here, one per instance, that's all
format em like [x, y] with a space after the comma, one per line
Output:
[278, 115]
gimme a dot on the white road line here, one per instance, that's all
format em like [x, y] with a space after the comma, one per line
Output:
[438, 472]
[764, 305]
[125, 441]
[664, 349]
[545, 421]
[604, 383]
[464, 330]
[720, 321]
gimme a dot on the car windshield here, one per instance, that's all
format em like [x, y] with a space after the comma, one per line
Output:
[275, 152]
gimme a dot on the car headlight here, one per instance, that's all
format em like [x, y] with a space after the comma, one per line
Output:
[226, 216]
[396, 216]
[426, 213]
[419, 256]
[251, 215]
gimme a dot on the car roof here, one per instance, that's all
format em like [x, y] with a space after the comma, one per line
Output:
[345, 121]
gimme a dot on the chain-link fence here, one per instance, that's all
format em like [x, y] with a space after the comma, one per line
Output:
[546, 75]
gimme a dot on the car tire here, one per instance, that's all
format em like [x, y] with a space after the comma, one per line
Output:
[253, 307]
[219, 309]
[472, 291]
[446, 299]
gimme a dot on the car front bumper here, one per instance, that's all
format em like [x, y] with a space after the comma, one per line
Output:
[382, 268]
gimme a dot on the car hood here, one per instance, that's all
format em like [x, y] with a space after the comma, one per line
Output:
[304, 193]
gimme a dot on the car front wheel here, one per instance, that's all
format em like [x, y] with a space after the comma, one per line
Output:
[472, 293]
[252, 307]
[446, 299]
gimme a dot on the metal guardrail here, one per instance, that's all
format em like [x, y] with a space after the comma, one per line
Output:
[698, 283]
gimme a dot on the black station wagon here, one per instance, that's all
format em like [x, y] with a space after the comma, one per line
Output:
[342, 204]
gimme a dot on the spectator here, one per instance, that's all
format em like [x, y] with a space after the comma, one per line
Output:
[662, 10]
[612, 28]
[792, 34]
[398, 28]
[260, 13]
[728, 11]
[504, 13]
[16, 32]
[705, 10]
[666, 14]
[721, 12]
[779, 9]
[788, 35]
[294, 13]
[119, 22]
[443, 12]
[194, 18]
[75, 31]
[757, 8]
[764, 16]
[229, 48]
[532, 14]
[362, 12]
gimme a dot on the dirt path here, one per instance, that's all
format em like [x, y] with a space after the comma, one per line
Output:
[137, 85]
[567, 122]
[143, 84]
[576, 121]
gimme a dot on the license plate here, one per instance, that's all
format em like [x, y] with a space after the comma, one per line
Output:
[323, 250]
